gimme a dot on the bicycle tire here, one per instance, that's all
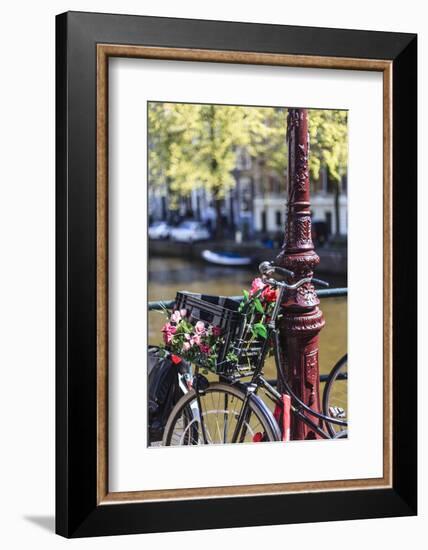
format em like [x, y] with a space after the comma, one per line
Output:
[268, 426]
[332, 377]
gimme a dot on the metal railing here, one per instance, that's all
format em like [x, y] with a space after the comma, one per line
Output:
[323, 293]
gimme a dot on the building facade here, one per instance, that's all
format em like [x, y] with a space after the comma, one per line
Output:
[255, 206]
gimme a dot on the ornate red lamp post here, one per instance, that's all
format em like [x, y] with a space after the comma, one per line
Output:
[302, 319]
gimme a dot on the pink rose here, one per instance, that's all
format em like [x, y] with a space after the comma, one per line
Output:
[256, 285]
[183, 312]
[169, 328]
[195, 340]
[165, 328]
[168, 332]
[199, 327]
[186, 346]
[176, 317]
[167, 337]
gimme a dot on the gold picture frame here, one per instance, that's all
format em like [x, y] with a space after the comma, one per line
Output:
[84, 504]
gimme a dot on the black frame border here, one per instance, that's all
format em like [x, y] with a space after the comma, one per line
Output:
[77, 512]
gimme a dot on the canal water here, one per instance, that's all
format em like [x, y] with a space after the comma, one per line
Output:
[168, 275]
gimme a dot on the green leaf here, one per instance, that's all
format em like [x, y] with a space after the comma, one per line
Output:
[246, 295]
[258, 305]
[260, 330]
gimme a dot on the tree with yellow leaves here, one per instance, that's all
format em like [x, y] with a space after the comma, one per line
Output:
[328, 135]
[195, 146]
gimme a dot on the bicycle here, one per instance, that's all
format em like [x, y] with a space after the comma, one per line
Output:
[232, 411]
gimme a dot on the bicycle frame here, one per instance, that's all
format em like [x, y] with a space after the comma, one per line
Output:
[257, 381]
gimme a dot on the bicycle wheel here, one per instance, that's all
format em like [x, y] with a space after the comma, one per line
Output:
[220, 408]
[335, 398]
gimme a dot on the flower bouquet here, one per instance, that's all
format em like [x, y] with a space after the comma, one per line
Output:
[201, 343]
[258, 304]
[195, 342]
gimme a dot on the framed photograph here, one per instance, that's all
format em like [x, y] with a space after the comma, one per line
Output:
[236, 237]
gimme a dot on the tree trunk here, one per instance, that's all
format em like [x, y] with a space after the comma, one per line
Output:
[337, 206]
[168, 216]
[214, 167]
[218, 224]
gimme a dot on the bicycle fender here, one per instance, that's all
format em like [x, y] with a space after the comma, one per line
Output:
[268, 414]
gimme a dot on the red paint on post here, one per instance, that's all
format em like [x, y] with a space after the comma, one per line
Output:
[286, 401]
[302, 319]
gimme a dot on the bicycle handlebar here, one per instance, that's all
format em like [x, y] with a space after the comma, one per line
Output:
[268, 268]
[320, 282]
[273, 282]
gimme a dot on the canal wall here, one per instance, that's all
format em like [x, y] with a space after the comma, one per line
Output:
[333, 260]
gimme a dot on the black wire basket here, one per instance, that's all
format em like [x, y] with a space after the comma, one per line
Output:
[236, 335]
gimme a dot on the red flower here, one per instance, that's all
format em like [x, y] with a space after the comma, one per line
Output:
[269, 294]
[216, 331]
[204, 348]
[175, 359]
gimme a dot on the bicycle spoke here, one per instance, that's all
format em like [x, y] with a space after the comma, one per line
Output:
[334, 403]
[226, 418]
[219, 414]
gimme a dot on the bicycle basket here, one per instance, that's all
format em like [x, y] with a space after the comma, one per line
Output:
[223, 312]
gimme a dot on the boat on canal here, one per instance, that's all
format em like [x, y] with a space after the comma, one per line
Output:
[226, 258]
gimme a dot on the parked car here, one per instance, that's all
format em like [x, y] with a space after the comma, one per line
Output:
[159, 230]
[189, 232]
